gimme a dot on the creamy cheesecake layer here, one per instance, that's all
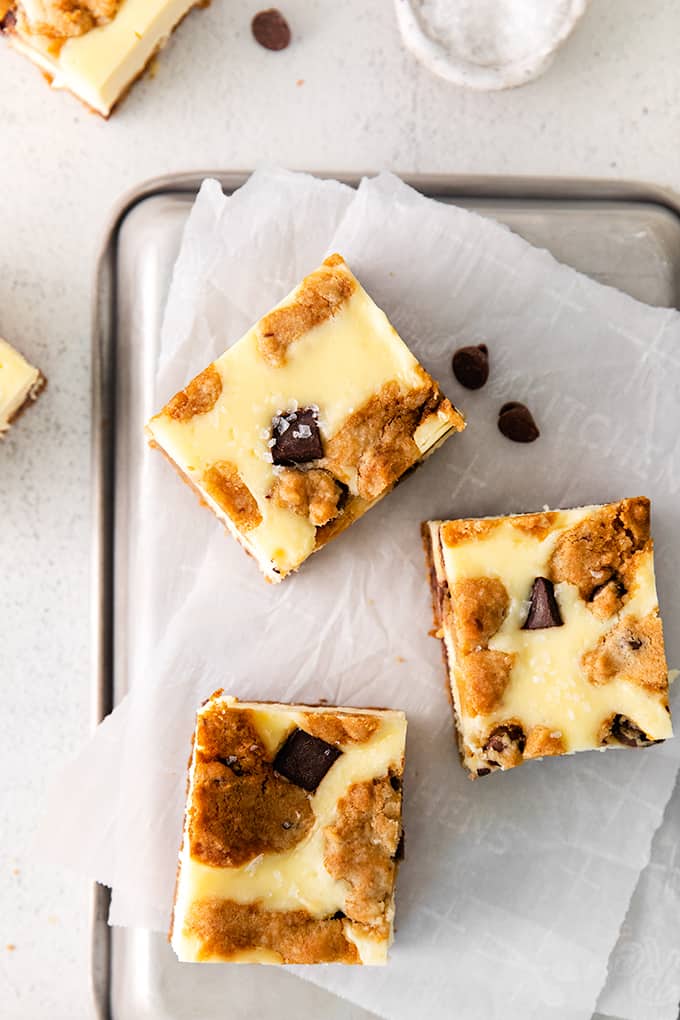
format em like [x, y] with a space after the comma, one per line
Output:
[562, 681]
[19, 383]
[291, 888]
[347, 366]
[99, 65]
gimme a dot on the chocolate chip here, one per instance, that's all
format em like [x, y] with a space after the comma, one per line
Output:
[399, 853]
[471, 366]
[395, 783]
[338, 915]
[503, 736]
[628, 733]
[634, 643]
[510, 406]
[296, 438]
[483, 772]
[516, 422]
[286, 825]
[305, 760]
[271, 29]
[543, 610]
[9, 21]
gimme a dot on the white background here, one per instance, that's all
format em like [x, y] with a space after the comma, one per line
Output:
[609, 106]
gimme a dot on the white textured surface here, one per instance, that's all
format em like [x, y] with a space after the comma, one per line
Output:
[607, 106]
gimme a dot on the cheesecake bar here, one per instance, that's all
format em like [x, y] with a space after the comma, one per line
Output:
[20, 385]
[551, 632]
[94, 49]
[292, 834]
[306, 422]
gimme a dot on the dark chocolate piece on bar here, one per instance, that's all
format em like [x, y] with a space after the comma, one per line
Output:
[543, 609]
[471, 366]
[400, 852]
[296, 437]
[305, 760]
[516, 422]
[271, 29]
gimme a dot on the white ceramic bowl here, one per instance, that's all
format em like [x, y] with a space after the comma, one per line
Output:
[487, 44]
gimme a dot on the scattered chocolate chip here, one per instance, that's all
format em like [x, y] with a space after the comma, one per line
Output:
[296, 438]
[516, 422]
[338, 915]
[510, 406]
[395, 783]
[286, 825]
[543, 609]
[628, 733]
[634, 643]
[471, 366]
[400, 853]
[232, 762]
[9, 21]
[483, 772]
[304, 759]
[271, 29]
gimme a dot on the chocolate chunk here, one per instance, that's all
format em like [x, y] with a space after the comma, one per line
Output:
[626, 732]
[400, 853]
[305, 760]
[296, 438]
[483, 772]
[471, 366]
[543, 610]
[271, 29]
[338, 915]
[516, 422]
[395, 783]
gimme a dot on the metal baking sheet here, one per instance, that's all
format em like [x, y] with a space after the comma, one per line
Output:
[624, 235]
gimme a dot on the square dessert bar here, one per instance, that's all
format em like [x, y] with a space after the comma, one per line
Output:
[306, 422]
[551, 632]
[292, 834]
[93, 48]
[20, 384]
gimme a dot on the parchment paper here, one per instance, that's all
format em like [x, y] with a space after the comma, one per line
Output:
[514, 888]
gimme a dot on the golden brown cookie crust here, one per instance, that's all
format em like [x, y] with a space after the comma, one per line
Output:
[633, 651]
[69, 18]
[479, 606]
[341, 729]
[226, 928]
[361, 844]
[313, 494]
[597, 551]
[318, 298]
[240, 807]
[482, 679]
[224, 484]
[453, 533]
[375, 445]
[199, 397]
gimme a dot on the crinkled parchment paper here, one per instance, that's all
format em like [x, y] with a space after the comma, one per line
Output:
[514, 888]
